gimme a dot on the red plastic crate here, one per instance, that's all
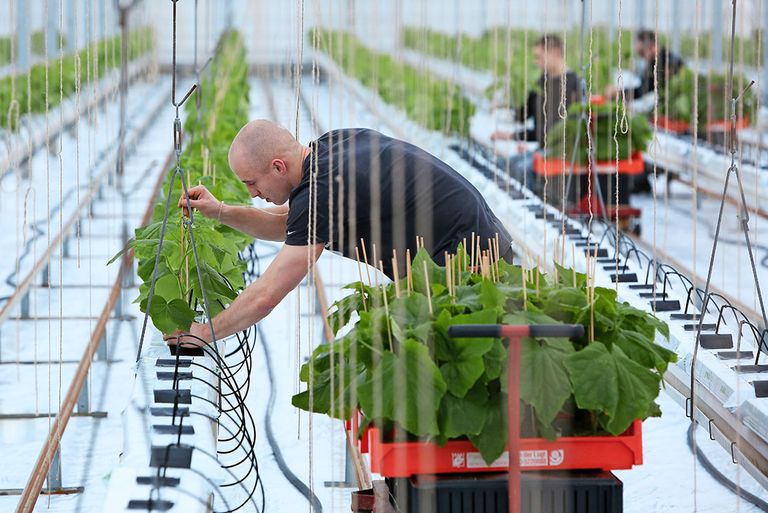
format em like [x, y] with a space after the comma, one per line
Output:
[403, 459]
[672, 125]
[554, 167]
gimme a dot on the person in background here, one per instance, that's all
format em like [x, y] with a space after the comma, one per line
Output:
[651, 54]
[543, 103]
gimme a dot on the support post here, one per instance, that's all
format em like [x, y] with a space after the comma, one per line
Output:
[45, 275]
[84, 397]
[54, 472]
[25, 305]
[101, 351]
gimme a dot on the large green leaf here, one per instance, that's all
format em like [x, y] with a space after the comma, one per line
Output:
[462, 358]
[406, 387]
[607, 381]
[461, 416]
[172, 315]
[544, 382]
[492, 439]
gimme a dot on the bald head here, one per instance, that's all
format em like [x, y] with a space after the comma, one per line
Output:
[268, 159]
[258, 143]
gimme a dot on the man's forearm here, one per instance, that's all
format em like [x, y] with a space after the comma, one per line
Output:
[261, 223]
[247, 309]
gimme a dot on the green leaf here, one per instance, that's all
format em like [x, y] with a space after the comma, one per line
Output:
[607, 381]
[544, 382]
[170, 316]
[463, 416]
[463, 357]
[406, 387]
[492, 439]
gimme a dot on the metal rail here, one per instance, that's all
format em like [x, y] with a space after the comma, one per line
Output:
[23, 286]
[40, 470]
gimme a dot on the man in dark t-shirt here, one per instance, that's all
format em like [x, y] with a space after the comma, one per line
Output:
[556, 89]
[350, 189]
[668, 65]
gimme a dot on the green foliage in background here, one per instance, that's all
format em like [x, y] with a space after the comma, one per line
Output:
[62, 75]
[398, 365]
[677, 100]
[37, 44]
[434, 103]
[508, 55]
[607, 123]
[224, 109]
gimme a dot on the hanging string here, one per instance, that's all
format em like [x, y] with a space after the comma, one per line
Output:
[694, 216]
[545, 128]
[623, 104]
[562, 112]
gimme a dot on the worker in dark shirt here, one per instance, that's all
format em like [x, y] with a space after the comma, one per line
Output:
[347, 185]
[649, 52]
[545, 102]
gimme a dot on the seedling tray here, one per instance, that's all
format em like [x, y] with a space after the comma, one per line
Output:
[403, 459]
[554, 166]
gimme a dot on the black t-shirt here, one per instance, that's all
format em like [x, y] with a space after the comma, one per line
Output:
[535, 104]
[668, 66]
[387, 192]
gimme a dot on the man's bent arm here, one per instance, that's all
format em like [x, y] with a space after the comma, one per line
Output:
[261, 223]
[256, 302]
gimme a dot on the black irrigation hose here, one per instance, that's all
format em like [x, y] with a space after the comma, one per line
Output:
[722, 478]
[297, 483]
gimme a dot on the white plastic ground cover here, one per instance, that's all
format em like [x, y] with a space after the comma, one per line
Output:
[48, 196]
[90, 445]
[32, 130]
[715, 374]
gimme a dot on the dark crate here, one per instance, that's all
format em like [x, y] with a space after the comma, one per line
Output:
[542, 492]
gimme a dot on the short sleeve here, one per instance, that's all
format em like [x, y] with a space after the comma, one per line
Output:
[299, 225]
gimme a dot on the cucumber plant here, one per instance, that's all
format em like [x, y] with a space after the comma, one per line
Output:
[62, 72]
[400, 369]
[436, 104]
[178, 297]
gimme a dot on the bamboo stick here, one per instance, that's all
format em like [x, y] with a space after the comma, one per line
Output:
[396, 272]
[365, 259]
[429, 288]
[408, 274]
[360, 274]
[525, 281]
[386, 308]
[464, 247]
[472, 260]
[573, 263]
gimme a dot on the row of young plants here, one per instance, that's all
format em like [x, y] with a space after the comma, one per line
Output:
[37, 45]
[679, 99]
[507, 54]
[398, 367]
[436, 104]
[63, 74]
[224, 109]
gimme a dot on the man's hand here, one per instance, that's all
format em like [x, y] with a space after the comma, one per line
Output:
[611, 92]
[499, 135]
[202, 200]
[198, 335]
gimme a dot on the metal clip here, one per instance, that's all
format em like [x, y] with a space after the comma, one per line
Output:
[733, 456]
[711, 436]
[177, 135]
